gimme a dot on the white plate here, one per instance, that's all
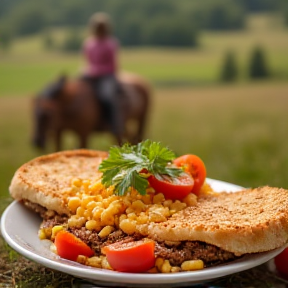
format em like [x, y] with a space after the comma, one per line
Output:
[19, 227]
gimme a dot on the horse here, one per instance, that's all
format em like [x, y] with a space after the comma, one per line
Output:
[71, 104]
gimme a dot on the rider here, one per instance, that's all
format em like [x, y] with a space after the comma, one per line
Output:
[100, 52]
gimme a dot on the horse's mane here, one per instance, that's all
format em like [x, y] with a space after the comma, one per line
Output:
[52, 90]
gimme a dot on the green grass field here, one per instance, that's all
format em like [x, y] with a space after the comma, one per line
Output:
[240, 130]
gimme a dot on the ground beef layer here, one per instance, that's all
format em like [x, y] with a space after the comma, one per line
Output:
[175, 253]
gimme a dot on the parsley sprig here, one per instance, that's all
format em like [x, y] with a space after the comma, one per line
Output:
[125, 165]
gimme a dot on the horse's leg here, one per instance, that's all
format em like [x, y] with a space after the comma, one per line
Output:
[142, 119]
[119, 140]
[58, 138]
[140, 128]
[83, 140]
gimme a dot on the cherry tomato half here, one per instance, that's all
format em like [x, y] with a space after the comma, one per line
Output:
[281, 263]
[174, 189]
[193, 165]
[69, 246]
[136, 256]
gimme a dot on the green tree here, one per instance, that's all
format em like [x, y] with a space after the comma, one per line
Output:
[258, 66]
[29, 21]
[5, 39]
[170, 31]
[218, 15]
[229, 71]
[72, 42]
[286, 17]
[129, 31]
[129, 16]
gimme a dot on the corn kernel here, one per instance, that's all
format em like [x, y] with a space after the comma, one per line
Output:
[42, 234]
[74, 203]
[143, 229]
[122, 217]
[150, 190]
[131, 216]
[190, 200]
[91, 205]
[191, 265]
[92, 225]
[178, 206]
[158, 198]
[159, 263]
[82, 259]
[126, 201]
[77, 182]
[166, 267]
[75, 221]
[98, 198]
[88, 214]
[86, 200]
[105, 264]
[96, 213]
[138, 206]
[107, 218]
[94, 262]
[175, 269]
[142, 218]
[146, 199]
[158, 214]
[129, 210]
[106, 193]
[105, 231]
[80, 211]
[97, 186]
[85, 184]
[105, 203]
[128, 226]
[167, 203]
[55, 230]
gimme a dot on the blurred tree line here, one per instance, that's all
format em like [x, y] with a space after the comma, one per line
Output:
[136, 22]
[257, 68]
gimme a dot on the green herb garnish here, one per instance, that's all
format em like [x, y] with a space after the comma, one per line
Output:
[124, 165]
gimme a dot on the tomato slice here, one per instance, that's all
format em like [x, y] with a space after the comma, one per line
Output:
[193, 165]
[174, 189]
[70, 247]
[281, 263]
[136, 256]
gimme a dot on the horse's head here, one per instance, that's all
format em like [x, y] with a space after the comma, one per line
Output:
[44, 107]
[54, 90]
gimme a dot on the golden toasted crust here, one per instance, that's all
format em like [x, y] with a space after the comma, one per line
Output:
[46, 180]
[249, 221]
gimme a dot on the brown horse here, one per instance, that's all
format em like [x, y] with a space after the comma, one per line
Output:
[73, 106]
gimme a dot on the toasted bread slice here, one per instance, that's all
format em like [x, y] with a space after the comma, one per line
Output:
[46, 180]
[249, 221]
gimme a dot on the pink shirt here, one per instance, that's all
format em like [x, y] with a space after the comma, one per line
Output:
[100, 56]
